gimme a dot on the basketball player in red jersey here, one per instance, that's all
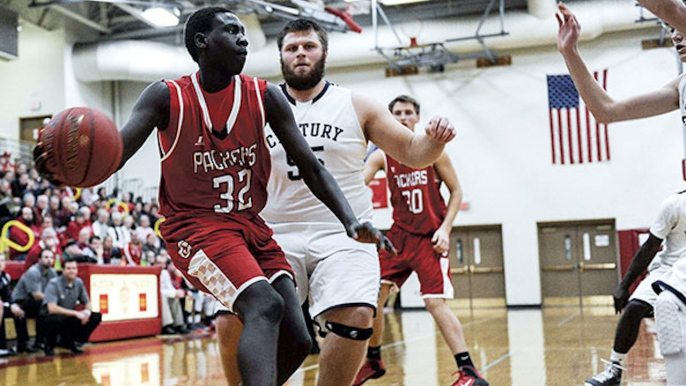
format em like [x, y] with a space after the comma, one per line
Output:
[421, 231]
[215, 167]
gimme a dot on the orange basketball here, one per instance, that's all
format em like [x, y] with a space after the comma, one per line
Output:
[83, 146]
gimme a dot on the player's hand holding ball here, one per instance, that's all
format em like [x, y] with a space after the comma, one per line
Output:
[79, 147]
[440, 129]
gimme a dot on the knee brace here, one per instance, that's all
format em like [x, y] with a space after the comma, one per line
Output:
[354, 333]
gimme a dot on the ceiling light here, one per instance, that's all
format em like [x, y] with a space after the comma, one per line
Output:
[161, 17]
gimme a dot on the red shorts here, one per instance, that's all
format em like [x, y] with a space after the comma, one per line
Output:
[416, 253]
[223, 255]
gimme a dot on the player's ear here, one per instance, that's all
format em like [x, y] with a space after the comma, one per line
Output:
[200, 40]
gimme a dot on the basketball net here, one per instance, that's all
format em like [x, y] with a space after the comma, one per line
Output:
[412, 28]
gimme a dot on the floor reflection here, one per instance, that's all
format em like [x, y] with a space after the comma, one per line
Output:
[555, 346]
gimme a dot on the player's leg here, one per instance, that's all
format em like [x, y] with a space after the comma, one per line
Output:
[670, 315]
[344, 291]
[628, 327]
[345, 344]
[261, 308]
[229, 328]
[294, 339]
[433, 271]
[373, 367]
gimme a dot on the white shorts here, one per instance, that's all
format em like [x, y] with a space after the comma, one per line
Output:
[645, 291]
[331, 269]
[670, 315]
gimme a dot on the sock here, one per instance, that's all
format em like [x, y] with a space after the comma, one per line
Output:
[617, 357]
[374, 352]
[463, 359]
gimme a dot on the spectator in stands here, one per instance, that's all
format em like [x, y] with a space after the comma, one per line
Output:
[41, 208]
[93, 251]
[19, 236]
[150, 244]
[154, 214]
[172, 311]
[6, 161]
[6, 300]
[59, 314]
[134, 250]
[144, 230]
[120, 235]
[129, 224]
[48, 240]
[28, 298]
[81, 221]
[110, 253]
[45, 223]
[128, 200]
[137, 211]
[29, 200]
[7, 205]
[20, 184]
[101, 225]
[102, 193]
[55, 212]
[88, 197]
[73, 251]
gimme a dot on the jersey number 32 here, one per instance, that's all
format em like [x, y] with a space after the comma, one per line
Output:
[227, 185]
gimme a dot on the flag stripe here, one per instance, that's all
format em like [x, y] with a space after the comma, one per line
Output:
[578, 137]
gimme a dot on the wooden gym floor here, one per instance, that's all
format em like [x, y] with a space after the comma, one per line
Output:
[553, 346]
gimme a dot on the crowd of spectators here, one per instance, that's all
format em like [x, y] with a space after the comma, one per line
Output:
[86, 226]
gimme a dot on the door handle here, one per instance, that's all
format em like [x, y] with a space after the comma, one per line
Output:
[597, 267]
[559, 268]
[458, 271]
[477, 270]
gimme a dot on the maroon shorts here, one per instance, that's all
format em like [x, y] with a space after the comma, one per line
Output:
[416, 253]
[223, 255]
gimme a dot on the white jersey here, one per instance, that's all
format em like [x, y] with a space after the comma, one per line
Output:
[670, 226]
[330, 125]
[682, 102]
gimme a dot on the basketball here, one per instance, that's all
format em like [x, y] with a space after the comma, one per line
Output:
[83, 146]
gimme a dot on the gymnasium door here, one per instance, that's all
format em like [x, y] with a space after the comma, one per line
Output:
[476, 261]
[578, 262]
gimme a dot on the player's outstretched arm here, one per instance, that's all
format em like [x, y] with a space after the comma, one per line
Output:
[640, 262]
[672, 12]
[446, 172]
[412, 149]
[374, 163]
[318, 179]
[604, 108]
[150, 111]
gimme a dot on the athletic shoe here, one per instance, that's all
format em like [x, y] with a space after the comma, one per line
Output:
[469, 376]
[611, 376]
[371, 369]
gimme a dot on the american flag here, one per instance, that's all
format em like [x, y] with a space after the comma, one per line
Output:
[575, 136]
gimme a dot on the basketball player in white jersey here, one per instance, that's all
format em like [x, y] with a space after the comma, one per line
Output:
[605, 109]
[342, 279]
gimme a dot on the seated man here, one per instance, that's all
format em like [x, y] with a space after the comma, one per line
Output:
[59, 317]
[28, 297]
[6, 300]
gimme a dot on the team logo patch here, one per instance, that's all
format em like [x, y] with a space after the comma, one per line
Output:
[184, 249]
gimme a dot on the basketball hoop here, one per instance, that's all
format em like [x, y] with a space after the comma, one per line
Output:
[412, 28]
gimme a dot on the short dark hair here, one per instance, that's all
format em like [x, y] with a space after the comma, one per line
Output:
[94, 237]
[40, 255]
[406, 99]
[199, 21]
[70, 259]
[302, 25]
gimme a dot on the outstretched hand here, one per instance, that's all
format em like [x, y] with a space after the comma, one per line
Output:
[569, 29]
[366, 233]
[621, 298]
[440, 129]
[40, 159]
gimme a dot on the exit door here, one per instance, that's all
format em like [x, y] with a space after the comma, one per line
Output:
[476, 261]
[578, 262]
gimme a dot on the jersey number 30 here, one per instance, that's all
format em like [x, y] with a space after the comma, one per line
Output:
[227, 186]
[415, 200]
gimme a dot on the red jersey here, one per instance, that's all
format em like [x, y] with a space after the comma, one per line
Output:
[214, 157]
[418, 206]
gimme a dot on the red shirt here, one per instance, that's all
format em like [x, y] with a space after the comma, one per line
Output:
[418, 206]
[217, 164]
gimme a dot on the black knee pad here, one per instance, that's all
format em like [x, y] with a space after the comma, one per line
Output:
[354, 333]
